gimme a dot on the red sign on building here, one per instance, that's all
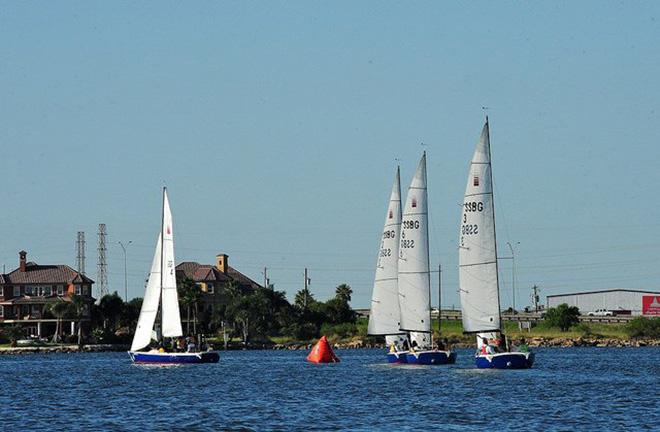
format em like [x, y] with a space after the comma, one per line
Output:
[651, 305]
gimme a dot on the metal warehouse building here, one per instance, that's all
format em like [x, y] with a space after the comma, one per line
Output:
[622, 301]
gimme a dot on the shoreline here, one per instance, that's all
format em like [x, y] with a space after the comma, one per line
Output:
[535, 342]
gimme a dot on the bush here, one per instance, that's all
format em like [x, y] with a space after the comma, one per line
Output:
[563, 316]
[305, 331]
[342, 330]
[642, 327]
[586, 331]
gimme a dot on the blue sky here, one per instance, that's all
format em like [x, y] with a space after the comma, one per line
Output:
[276, 126]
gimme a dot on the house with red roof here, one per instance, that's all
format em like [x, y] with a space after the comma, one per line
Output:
[27, 292]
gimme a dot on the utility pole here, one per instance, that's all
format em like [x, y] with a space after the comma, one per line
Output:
[439, 298]
[513, 276]
[102, 266]
[80, 248]
[535, 297]
[307, 282]
[266, 280]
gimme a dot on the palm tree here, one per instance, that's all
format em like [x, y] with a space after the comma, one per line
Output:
[111, 306]
[59, 309]
[303, 299]
[78, 305]
[343, 292]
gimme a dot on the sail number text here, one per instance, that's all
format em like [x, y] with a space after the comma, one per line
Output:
[411, 224]
[468, 229]
[474, 206]
[407, 244]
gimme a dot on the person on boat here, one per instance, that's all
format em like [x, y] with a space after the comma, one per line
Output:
[445, 341]
[191, 345]
[441, 345]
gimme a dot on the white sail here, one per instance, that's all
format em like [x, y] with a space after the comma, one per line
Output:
[414, 288]
[149, 309]
[171, 315]
[477, 250]
[384, 315]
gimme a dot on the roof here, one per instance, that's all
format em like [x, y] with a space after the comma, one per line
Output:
[605, 291]
[45, 274]
[209, 273]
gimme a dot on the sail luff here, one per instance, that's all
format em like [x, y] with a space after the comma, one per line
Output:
[414, 276]
[384, 317]
[171, 316]
[478, 277]
[150, 303]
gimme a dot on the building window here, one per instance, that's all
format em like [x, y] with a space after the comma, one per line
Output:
[29, 290]
[85, 290]
[2, 311]
[210, 288]
[47, 291]
[78, 290]
[60, 290]
[17, 291]
[2, 291]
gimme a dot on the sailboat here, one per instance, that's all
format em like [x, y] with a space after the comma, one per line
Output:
[478, 278]
[161, 285]
[414, 275]
[384, 318]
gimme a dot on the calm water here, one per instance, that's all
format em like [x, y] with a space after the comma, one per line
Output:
[568, 389]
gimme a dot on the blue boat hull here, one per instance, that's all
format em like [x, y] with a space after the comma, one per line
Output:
[397, 357]
[174, 358]
[510, 360]
[432, 357]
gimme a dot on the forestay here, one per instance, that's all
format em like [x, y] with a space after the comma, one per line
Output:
[477, 248]
[414, 288]
[149, 309]
[384, 316]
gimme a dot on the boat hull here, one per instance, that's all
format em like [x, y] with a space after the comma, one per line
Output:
[397, 357]
[432, 357]
[509, 360]
[174, 358]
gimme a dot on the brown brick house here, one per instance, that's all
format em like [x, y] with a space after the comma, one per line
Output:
[26, 293]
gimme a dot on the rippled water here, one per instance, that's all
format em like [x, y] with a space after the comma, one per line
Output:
[568, 389]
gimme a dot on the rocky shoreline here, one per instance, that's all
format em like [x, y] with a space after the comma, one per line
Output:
[535, 342]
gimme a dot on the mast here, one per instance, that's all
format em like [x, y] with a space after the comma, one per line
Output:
[497, 271]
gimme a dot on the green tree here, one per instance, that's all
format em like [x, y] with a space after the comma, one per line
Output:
[304, 299]
[642, 327]
[111, 307]
[563, 316]
[343, 292]
[78, 306]
[190, 295]
[59, 309]
[13, 333]
[131, 313]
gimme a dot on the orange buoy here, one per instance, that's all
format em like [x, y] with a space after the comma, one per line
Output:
[322, 353]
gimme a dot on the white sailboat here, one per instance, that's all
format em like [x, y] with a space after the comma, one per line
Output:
[384, 318]
[414, 274]
[161, 285]
[478, 278]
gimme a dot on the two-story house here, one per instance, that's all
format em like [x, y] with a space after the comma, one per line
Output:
[27, 292]
[213, 280]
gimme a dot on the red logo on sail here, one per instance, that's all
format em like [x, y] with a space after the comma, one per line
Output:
[391, 214]
[414, 202]
[168, 230]
[476, 181]
[651, 305]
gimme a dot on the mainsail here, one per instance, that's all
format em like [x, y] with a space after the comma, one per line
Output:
[149, 309]
[384, 318]
[171, 315]
[477, 247]
[414, 282]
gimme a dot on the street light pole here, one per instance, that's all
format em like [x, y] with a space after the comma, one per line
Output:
[125, 275]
